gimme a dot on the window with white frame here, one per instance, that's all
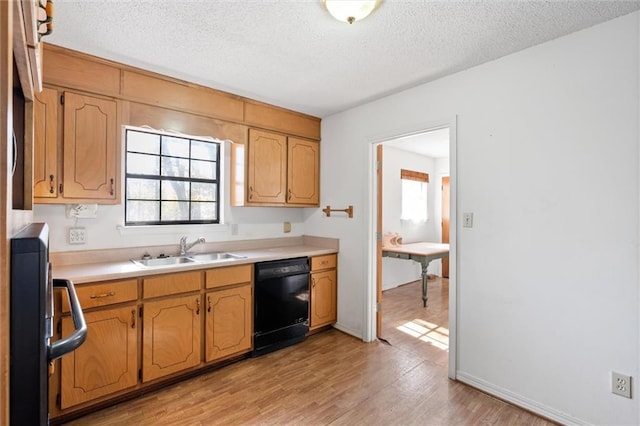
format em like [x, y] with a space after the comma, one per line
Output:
[414, 195]
[171, 179]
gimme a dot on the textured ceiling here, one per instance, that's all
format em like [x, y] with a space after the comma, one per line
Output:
[292, 53]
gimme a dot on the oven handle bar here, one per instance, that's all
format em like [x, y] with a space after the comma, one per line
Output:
[75, 339]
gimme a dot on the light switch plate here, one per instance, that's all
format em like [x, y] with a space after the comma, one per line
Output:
[467, 220]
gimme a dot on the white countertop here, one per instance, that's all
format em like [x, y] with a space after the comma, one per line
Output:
[110, 270]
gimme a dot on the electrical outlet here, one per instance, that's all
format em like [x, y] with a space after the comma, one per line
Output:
[621, 384]
[286, 227]
[77, 235]
[467, 220]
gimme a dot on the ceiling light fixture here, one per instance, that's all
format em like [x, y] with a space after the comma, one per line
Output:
[350, 11]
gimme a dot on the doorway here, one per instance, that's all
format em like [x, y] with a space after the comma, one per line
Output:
[420, 145]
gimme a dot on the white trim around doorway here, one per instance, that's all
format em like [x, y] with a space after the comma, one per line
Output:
[370, 296]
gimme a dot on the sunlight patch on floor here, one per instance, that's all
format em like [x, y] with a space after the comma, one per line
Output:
[427, 332]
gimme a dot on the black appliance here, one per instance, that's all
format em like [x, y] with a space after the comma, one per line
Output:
[281, 304]
[31, 326]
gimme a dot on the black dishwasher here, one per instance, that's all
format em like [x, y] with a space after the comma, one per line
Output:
[281, 304]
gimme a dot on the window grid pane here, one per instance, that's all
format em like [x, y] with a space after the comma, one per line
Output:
[170, 179]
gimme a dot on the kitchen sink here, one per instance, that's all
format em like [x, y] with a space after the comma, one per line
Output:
[212, 257]
[163, 261]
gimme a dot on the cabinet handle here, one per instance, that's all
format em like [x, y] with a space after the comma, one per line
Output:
[100, 296]
[324, 262]
[198, 306]
[313, 282]
[51, 185]
[111, 192]
[208, 303]
[250, 192]
[133, 318]
[289, 199]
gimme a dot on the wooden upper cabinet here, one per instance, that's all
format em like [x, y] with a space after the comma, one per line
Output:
[280, 171]
[45, 145]
[90, 143]
[303, 164]
[266, 168]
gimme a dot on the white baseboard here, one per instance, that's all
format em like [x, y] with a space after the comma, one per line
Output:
[518, 400]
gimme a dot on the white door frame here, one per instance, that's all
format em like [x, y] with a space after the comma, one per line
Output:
[370, 302]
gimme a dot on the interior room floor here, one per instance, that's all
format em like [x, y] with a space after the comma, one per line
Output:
[333, 378]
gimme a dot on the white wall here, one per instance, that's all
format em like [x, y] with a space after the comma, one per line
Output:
[547, 159]
[107, 230]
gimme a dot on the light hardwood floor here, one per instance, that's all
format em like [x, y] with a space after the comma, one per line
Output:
[333, 378]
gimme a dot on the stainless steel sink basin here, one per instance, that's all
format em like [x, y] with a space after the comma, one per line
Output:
[212, 257]
[163, 261]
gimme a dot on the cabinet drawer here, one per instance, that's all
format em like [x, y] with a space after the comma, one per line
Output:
[319, 263]
[165, 285]
[220, 277]
[103, 294]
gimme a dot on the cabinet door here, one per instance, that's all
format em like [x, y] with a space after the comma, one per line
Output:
[45, 144]
[266, 167]
[323, 298]
[106, 362]
[228, 324]
[89, 147]
[303, 172]
[172, 336]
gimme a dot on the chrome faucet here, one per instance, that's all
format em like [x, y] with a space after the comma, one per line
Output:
[184, 247]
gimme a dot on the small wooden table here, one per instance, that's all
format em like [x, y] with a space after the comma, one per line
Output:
[420, 252]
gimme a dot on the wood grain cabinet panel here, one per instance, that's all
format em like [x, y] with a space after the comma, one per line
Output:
[228, 322]
[81, 140]
[106, 362]
[220, 277]
[104, 294]
[168, 284]
[67, 68]
[90, 152]
[280, 171]
[45, 144]
[171, 336]
[303, 171]
[266, 167]
[323, 302]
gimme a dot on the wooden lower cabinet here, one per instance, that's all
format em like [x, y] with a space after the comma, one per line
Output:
[171, 336]
[106, 362]
[229, 322]
[323, 298]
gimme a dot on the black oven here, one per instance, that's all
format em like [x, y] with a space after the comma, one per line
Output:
[31, 326]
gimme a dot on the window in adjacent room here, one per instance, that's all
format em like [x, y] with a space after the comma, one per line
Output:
[171, 179]
[414, 195]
